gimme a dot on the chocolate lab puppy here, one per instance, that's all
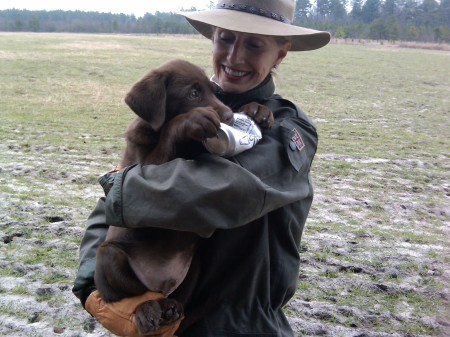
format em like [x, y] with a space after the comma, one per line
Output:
[177, 109]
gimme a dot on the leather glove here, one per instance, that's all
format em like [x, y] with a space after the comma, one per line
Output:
[118, 317]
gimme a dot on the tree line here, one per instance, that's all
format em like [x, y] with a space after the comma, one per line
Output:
[409, 20]
[13, 20]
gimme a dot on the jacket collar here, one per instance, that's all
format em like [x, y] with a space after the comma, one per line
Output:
[262, 92]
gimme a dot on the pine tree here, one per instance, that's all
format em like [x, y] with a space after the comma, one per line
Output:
[356, 12]
[302, 9]
[371, 10]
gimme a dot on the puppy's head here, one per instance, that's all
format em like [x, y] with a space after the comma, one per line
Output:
[172, 89]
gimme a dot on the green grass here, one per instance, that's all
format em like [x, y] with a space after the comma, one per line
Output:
[20, 290]
[381, 174]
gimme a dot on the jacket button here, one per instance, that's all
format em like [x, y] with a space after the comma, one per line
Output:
[292, 145]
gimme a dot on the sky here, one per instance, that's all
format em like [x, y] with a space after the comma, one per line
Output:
[136, 7]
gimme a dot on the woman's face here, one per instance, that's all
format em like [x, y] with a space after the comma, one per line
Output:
[242, 61]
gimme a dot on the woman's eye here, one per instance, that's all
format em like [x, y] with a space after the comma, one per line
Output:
[227, 38]
[194, 94]
[255, 44]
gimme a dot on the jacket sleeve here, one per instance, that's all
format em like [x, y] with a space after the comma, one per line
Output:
[211, 192]
[94, 235]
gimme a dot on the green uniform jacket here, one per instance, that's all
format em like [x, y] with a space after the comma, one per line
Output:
[249, 211]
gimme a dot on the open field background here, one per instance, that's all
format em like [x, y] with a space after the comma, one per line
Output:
[375, 251]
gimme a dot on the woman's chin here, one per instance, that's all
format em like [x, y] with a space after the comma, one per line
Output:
[236, 86]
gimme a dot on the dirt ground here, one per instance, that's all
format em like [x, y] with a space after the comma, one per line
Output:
[41, 223]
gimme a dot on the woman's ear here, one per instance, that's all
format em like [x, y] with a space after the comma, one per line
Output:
[283, 52]
[147, 98]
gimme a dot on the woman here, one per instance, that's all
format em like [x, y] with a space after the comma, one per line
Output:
[250, 210]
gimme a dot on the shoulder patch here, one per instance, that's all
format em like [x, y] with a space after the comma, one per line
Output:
[297, 142]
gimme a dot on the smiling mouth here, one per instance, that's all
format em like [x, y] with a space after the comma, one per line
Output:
[234, 73]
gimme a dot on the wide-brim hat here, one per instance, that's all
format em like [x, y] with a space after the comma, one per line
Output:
[265, 17]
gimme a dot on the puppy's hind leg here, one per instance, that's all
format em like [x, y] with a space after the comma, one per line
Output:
[167, 309]
[147, 317]
[171, 310]
[114, 277]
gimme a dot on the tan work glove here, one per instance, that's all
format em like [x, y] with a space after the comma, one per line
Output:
[118, 317]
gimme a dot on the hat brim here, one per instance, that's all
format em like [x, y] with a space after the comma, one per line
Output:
[303, 39]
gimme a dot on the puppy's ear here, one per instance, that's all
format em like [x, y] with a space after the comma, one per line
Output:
[147, 98]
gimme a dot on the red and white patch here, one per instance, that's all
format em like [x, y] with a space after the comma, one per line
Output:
[297, 140]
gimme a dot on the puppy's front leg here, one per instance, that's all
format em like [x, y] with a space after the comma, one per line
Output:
[196, 124]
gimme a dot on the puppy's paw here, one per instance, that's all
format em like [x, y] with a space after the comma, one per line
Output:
[148, 317]
[171, 310]
[261, 114]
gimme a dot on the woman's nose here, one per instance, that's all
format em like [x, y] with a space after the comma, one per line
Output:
[235, 53]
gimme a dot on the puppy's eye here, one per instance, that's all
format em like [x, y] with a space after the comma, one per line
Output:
[194, 94]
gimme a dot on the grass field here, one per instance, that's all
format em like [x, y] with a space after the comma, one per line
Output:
[375, 251]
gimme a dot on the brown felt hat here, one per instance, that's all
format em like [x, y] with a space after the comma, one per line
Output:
[265, 17]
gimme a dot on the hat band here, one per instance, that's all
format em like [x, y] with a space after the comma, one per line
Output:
[256, 11]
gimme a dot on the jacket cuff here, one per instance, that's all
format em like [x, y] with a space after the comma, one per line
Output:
[114, 214]
[84, 282]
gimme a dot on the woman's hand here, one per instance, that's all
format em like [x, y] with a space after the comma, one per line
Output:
[119, 317]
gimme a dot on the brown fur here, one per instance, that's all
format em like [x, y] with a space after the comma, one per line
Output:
[176, 109]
